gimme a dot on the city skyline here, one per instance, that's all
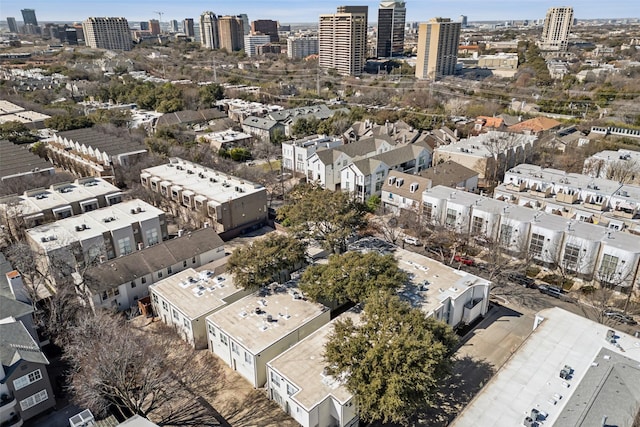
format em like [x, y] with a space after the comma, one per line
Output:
[291, 11]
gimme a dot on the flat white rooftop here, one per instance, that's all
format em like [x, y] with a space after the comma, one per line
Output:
[215, 186]
[602, 373]
[303, 366]
[434, 282]
[288, 311]
[196, 294]
[97, 223]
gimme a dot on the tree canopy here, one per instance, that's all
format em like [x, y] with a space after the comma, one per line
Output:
[68, 122]
[263, 261]
[17, 132]
[330, 217]
[393, 361]
[352, 276]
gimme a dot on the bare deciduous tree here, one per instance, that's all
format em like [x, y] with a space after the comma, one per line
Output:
[116, 366]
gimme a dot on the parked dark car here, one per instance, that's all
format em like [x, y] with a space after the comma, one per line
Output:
[522, 279]
[620, 317]
[551, 290]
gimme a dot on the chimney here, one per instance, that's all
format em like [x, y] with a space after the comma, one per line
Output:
[18, 289]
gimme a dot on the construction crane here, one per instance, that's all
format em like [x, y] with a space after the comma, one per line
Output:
[159, 15]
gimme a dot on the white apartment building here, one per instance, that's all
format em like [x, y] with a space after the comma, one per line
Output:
[100, 234]
[120, 283]
[209, 36]
[185, 299]
[621, 165]
[364, 178]
[301, 47]
[107, 33]
[60, 201]
[296, 153]
[252, 331]
[252, 41]
[226, 139]
[574, 196]
[584, 249]
[298, 382]
[324, 166]
[226, 203]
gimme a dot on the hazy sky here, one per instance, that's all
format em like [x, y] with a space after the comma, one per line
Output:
[309, 10]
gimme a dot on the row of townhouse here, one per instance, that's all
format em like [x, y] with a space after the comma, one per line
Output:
[601, 201]
[490, 154]
[25, 388]
[620, 165]
[89, 152]
[586, 250]
[59, 201]
[364, 178]
[122, 282]
[228, 204]
[259, 334]
[97, 235]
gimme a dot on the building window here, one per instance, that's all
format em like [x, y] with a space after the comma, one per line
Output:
[477, 225]
[33, 400]
[169, 270]
[176, 315]
[159, 274]
[143, 280]
[506, 233]
[223, 339]
[608, 268]
[124, 245]
[537, 244]
[193, 260]
[25, 380]
[451, 217]
[164, 305]
[234, 348]
[571, 256]
[184, 263]
[185, 322]
[212, 331]
[427, 210]
[275, 379]
[152, 236]
[291, 390]
[133, 284]
[155, 298]
[247, 358]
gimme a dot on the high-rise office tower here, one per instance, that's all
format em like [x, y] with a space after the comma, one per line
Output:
[13, 26]
[144, 26]
[555, 33]
[154, 26]
[356, 9]
[438, 42]
[29, 17]
[463, 21]
[391, 19]
[231, 30]
[107, 33]
[173, 26]
[187, 27]
[245, 23]
[267, 27]
[209, 37]
[342, 42]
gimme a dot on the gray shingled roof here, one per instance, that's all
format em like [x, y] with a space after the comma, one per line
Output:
[124, 269]
[9, 307]
[17, 344]
[259, 123]
[112, 145]
[448, 173]
[190, 116]
[16, 159]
